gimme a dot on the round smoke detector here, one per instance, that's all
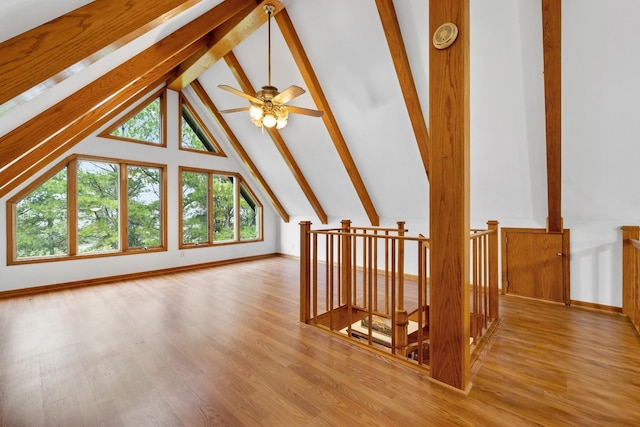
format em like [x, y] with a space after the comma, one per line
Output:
[445, 35]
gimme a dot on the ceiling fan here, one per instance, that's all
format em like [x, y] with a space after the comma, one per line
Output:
[268, 107]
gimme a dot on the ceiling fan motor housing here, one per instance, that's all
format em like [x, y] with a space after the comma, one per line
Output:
[267, 93]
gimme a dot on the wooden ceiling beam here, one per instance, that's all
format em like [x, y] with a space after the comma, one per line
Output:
[223, 39]
[552, 43]
[239, 149]
[400, 58]
[44, 156]
[246, 86]
[43, 53]
[21, 149]
[316, 92]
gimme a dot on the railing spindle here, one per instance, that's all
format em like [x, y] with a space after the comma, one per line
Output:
[485, 280]
[315, 279]
[305, 279]
[375, 271]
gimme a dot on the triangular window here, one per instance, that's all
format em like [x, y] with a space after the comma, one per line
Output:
[193, 134]
[144, 124]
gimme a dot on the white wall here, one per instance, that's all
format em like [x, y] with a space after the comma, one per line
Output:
[42, 274]
[601, 134]
[508, 178]
[600, 129]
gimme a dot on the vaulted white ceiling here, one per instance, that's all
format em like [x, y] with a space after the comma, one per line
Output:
[347, 48]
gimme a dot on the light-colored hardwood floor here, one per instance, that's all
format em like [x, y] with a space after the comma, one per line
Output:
[223, 346]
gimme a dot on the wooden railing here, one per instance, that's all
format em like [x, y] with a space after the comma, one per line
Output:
[371, 285]
[631, 274]
[483, 302]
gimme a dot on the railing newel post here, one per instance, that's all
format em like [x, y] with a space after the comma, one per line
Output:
[346, 269]
[630, 285]
[305, 271]
[494, 310]
[400, 266]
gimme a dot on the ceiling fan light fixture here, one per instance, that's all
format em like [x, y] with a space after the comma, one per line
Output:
[269, 120]
[282, 115]
[256, 112]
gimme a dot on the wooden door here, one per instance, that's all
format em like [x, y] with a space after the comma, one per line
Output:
[535, 264]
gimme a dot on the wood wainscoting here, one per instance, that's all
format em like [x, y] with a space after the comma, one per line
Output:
[535, 264]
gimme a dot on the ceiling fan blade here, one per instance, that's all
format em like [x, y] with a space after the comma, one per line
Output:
[234, 110]
[240, 93]
[288, 94]
[304, 111]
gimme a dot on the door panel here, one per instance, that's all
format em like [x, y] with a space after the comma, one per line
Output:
[535, 264]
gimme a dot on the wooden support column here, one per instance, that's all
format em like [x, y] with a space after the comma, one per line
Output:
[449, 197]
[305, 271]
[551, 39]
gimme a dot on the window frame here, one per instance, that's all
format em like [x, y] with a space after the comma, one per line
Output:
[238, 181]
[162, 94]
[72, 211]
[204, 129]
[259, 212]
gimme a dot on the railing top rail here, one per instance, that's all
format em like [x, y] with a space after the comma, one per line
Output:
[635, 243]
[479, 233]
[328, 229]
[382, 233]
[396, 229]
[378, 236]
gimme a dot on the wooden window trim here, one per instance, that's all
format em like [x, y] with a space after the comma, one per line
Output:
[162, 94]
[70, 163]
[239, 180]
[259, 216]
[219, 152]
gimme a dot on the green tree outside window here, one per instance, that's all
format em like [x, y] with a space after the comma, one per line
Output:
[98, 203]
[143, 207]
[42, 219]
[248, 215]
[223, 208]
[195, 218]
[144, 126]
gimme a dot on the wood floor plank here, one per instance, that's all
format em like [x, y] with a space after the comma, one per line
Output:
[19, 390]
[222, 346]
